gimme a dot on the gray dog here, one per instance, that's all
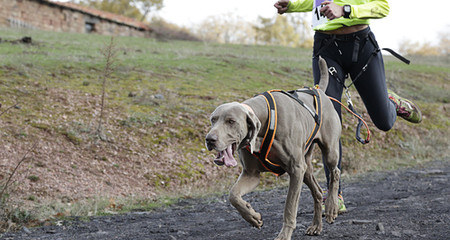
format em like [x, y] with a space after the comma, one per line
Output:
[243, 126]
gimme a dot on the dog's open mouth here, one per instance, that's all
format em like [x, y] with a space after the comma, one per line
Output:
[225, 157]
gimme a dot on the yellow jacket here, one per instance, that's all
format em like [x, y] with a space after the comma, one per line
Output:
[362, 11]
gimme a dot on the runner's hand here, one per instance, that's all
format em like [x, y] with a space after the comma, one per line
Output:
[281, 6]
[331, 10]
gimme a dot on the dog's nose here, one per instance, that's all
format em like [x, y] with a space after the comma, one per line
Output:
[211, 140]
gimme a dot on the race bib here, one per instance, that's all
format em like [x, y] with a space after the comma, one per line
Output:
[317, 18]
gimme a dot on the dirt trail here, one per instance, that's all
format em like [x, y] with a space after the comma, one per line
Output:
[407, 204]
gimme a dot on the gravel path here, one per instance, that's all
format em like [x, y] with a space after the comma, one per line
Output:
[411, 203]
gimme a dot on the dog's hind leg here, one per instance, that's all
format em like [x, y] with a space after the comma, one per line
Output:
[246, 182]
[316, 192]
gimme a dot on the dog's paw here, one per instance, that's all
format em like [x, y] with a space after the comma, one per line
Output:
[330, 218]
[255, 220]
[253, 217]
[331, 209]
[314, 230]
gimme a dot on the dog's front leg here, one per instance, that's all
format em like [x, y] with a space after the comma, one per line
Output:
[331, 204]
[246, 182]
[290, 209]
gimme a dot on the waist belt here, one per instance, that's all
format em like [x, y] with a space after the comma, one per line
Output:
[272, 125]
[356, 37]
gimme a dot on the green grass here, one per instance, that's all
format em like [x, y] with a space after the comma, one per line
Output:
[159, 98]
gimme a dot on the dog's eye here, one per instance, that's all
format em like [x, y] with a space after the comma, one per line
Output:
[213, 120]
[230, 121]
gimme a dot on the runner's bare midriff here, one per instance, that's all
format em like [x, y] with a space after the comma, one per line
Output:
[346, 29]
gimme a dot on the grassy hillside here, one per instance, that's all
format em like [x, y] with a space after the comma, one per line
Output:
[157, 104]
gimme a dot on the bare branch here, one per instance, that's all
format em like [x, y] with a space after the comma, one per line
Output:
[15, 105]
[15, 169]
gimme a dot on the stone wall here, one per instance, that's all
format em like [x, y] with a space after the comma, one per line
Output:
[45, 15]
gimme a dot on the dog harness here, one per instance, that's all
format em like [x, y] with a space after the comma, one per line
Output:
[272, 124]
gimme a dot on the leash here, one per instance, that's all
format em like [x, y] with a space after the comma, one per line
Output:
[350, 108]
[361, 121]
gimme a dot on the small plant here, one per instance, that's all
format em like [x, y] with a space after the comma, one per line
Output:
[72, 136]
[21, 216]
[33, 178]
[110, 54]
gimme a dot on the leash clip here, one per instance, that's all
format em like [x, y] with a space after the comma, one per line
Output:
[348, 96]
[364, 68]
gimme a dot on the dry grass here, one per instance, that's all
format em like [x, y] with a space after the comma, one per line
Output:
[159, 97]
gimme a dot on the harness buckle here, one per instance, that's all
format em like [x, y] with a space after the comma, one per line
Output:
[332, 70]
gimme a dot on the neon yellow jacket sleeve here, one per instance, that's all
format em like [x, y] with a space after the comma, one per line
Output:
[362, 11]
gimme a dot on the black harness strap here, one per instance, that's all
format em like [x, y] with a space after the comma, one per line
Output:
[395, 54]
[318, 106]
[356, 49]
[272, 125]
[317, 114]
[374, 53]
[357, 38]
[328, 42]
[292, 95]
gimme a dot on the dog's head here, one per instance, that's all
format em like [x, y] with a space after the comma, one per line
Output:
[233, 126]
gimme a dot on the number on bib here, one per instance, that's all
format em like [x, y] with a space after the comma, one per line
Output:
[317, 18]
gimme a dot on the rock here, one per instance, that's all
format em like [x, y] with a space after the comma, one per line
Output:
[359, 222]
[26, 230]
[159, 96]
[27, 40]
[50, 231]
[396, 234]
[380, 228]
[409, 232]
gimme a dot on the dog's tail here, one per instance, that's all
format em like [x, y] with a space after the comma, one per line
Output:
[323, 82]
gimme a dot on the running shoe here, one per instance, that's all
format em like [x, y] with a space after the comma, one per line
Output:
[406, 109]
[342, 208]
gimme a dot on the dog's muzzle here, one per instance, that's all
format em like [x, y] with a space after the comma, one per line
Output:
[210, 141]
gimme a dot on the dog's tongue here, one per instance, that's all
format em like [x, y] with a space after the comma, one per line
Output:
[226, 157]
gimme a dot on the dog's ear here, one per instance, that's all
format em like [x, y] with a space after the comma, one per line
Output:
[254, 125]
